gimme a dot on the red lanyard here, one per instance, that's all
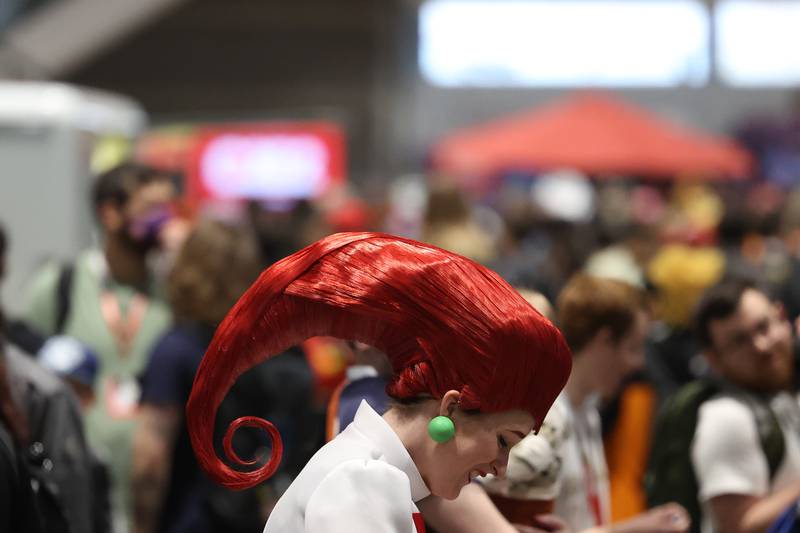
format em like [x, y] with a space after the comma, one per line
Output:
[123, 328]
[590, 480]
[592, 494]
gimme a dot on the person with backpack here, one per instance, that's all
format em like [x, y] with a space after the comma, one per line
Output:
[19, 510]
[728, 447]
[57, 456]
[109, 299]
[76, 365]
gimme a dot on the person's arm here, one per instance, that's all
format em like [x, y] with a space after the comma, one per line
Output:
[732, 472]
[152, 457]
[165, 385]
[669, 518]
[737, 513]
[472, 511]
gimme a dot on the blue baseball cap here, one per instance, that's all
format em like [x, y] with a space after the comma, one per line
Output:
[70, 358]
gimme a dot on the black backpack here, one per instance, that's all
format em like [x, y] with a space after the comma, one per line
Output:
[670, 476]
[31, 340]
[58, 458]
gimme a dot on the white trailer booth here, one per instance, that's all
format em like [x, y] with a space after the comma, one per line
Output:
[48, 132]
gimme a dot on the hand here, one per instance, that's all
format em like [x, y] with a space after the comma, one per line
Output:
[545, 524]
[669, 518]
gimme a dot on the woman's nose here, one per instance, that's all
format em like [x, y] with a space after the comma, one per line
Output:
[501, 463]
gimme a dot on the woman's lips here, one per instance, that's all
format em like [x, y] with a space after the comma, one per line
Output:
[475, 473]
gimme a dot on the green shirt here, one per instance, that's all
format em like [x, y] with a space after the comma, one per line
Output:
[109, 423]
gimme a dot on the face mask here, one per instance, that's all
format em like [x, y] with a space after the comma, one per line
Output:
[143, 232]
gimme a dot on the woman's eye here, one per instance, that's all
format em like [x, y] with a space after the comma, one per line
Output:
[502, 442]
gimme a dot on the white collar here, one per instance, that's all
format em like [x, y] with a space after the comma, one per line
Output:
[372, 426]
[590, 404]
[356, 372]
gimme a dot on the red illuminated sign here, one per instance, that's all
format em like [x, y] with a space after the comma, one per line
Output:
[289, 160]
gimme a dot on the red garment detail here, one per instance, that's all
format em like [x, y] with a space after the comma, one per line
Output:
[419, 522]
[123, 328]
[592, 493]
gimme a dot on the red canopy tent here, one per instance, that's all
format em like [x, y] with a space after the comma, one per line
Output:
[594, 133]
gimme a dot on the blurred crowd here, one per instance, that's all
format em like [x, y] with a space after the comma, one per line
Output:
[657, 285]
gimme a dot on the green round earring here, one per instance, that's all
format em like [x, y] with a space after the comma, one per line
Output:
[441, 429]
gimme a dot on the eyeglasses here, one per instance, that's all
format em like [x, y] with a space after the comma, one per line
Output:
[742, 340]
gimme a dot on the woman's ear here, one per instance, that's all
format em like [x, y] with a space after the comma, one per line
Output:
[449, 403]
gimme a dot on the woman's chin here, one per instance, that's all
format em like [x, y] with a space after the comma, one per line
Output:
[451, 494]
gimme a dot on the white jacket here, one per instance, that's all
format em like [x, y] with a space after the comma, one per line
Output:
[363, 481]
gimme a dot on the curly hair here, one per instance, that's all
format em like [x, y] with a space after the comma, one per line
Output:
[215, 266]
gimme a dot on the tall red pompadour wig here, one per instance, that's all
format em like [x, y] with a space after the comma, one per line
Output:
[444, 321]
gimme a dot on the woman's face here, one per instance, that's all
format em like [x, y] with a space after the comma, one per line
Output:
[480, 446]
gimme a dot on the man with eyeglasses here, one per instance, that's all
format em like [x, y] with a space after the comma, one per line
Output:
[748, 342]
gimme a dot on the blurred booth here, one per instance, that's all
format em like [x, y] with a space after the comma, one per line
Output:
[271, 161]
[595, 133]
[49, 135]
[264, 171]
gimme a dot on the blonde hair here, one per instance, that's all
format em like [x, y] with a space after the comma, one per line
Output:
[539, 302]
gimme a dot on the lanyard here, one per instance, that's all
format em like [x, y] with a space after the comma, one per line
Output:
[123, 327]
[590, 479]
[592, 494]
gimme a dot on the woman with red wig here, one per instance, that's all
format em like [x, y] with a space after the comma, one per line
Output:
[474, 369]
